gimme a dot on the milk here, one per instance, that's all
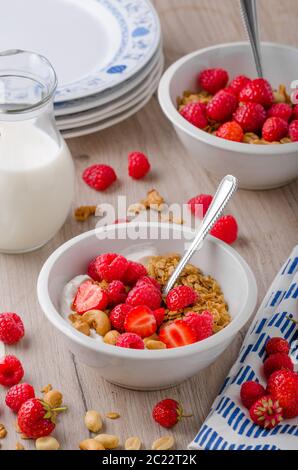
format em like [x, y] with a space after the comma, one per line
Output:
[36, 185]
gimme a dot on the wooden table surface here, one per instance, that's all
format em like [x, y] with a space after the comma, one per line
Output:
[268, 224]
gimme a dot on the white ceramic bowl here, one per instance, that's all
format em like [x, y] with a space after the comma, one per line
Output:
[144, 369]
[256, 166]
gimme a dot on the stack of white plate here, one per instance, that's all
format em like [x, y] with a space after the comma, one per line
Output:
[107, 55]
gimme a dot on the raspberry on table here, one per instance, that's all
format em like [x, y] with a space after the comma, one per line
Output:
[167, 412]
[277, 345]
[99, 176]
[144, 294]
[266, 412]
[281, 110]
[199, 204]
[17, 395]
[230, 130]
[181, 297]
[277, 361]
[133, 273]
[250, 392]
[131, 341]
[257, 91]
[250, 116]
[226, 229]
[237, 84]
[195, 113]
[213, 80]
[293, 130]
[11, 371]
[11, 328]
[111, 266]
[117, 293]
[117, 316]
[274, 129]
[138, 165]
[201, 323]
[222, 106]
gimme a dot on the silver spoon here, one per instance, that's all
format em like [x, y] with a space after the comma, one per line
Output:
[250, 19]
[225, 190]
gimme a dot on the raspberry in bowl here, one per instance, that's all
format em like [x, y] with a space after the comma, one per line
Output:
[229, 120]
[147, 341]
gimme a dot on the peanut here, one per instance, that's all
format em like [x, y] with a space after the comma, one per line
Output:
[19, 446]
[153, 337]
[132, 443]
[82, 327]
[109, 441]
[91, 444]
[163, 443]
[47, 443]
[47, 388]
[113, 415]
[97, 320]
[53, 398]
[111, 337]
[93, 421]
[153, 344]
[3, 431]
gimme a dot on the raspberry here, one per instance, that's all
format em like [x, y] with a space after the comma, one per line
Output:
[149, 281]
[133, 273]
[266, 412]
[18, 394]
[283, 386]
[99, 177]
[111, 266]
[250, 392]
[226, 229]
[201, 323]
[117, 316]
[293, 130]
[277, 345]
[277, 361]
[144, 294]
[281, 110]
[195, 113]
[11, 371]
[167, 412]
[222, 106]
[131, 341]
[181, 297]
[199, 204]
[250, 116]
[138, 165]
[231, 131]
[11, 328]
[274, 129]
[257, 91]
[213, 80]
[237, 84]
[92, 271]
[295, 112]
[36, 418]
[116, 292]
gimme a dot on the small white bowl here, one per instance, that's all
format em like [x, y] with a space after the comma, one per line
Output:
[144, 369]
[256, 166]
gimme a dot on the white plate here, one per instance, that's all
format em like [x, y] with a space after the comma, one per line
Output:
[92, 44]
[110, 110]
[89, 129]
[89, 102]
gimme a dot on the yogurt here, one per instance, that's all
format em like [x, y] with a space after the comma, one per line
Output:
[36, 186]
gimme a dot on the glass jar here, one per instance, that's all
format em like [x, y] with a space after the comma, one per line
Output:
[36, 167]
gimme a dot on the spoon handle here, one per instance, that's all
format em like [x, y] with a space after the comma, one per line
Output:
[250, 19]
[226, 188]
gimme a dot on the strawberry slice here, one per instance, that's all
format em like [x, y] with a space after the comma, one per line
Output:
[159, 314]
[90, 296]
[177, 334]
[141, 321]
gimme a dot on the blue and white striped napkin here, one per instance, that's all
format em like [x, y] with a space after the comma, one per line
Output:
[228, 425]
